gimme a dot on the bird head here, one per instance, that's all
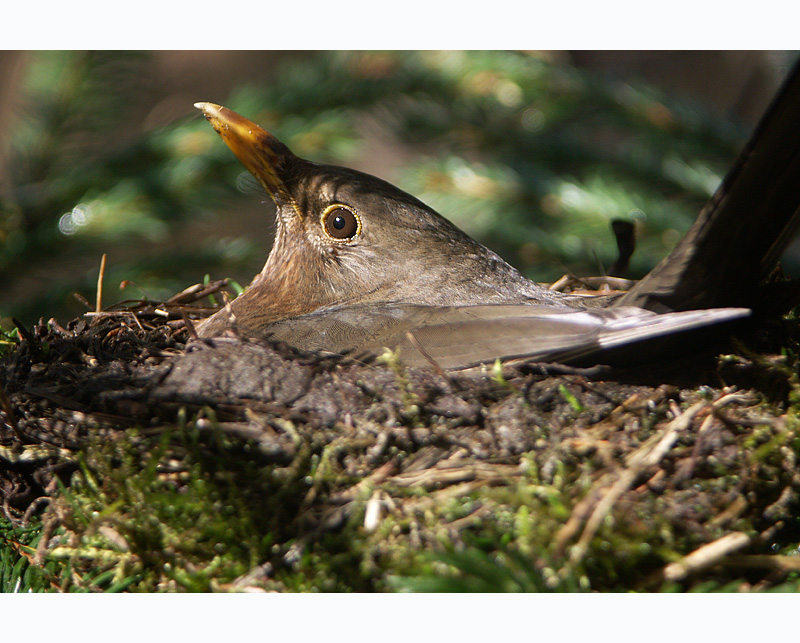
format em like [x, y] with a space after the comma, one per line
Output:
[344, 237]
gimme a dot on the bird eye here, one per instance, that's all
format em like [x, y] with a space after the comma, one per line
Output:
[341, 223]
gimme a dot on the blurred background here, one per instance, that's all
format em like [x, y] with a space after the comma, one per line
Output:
[532, 153]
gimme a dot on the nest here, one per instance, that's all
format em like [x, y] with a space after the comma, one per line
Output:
[375, 476]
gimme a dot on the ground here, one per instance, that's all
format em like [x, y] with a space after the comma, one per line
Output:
[133, 457]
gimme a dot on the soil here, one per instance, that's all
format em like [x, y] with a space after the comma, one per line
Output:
[679, 449]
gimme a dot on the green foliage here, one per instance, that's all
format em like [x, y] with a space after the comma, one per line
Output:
[192, 510]
[8, 339]
[17, 548]
[571, 399]
[474, 569]
[137, 525]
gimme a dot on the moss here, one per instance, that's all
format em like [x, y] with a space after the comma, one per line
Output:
[520, 488]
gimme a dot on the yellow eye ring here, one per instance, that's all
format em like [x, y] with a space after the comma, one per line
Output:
[340, 223]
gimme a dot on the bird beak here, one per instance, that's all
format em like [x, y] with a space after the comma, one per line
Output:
[260, 152]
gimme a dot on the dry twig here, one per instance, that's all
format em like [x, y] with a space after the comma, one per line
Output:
[99, 305]
[705, 556]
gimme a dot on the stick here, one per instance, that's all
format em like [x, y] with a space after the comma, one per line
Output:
[99, 306]
[706, 556]
[11, 418]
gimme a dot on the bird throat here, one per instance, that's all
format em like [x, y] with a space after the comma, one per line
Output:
[293, 282]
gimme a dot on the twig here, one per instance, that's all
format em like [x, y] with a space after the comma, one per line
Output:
[734, 510]
[561, 283]
[99, 304]
[378, 476]
[525, 365]
[705, 556]
[26, 334]
[373, 513]
[41, 500]
[138, 323]
[594, 283]
[49, 526]
[650, 454]
[197, 292]
[82, 299]
[7, 505]
[189, 325]
[764, 561]
[11, 418]
[432, 477]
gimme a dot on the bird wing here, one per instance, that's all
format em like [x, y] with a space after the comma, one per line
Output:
[463, 336]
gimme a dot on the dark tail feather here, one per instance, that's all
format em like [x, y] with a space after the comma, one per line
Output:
[741, 233]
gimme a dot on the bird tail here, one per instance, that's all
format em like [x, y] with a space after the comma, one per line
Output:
[741, 233]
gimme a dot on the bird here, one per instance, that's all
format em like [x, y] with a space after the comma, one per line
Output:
[359, 266]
